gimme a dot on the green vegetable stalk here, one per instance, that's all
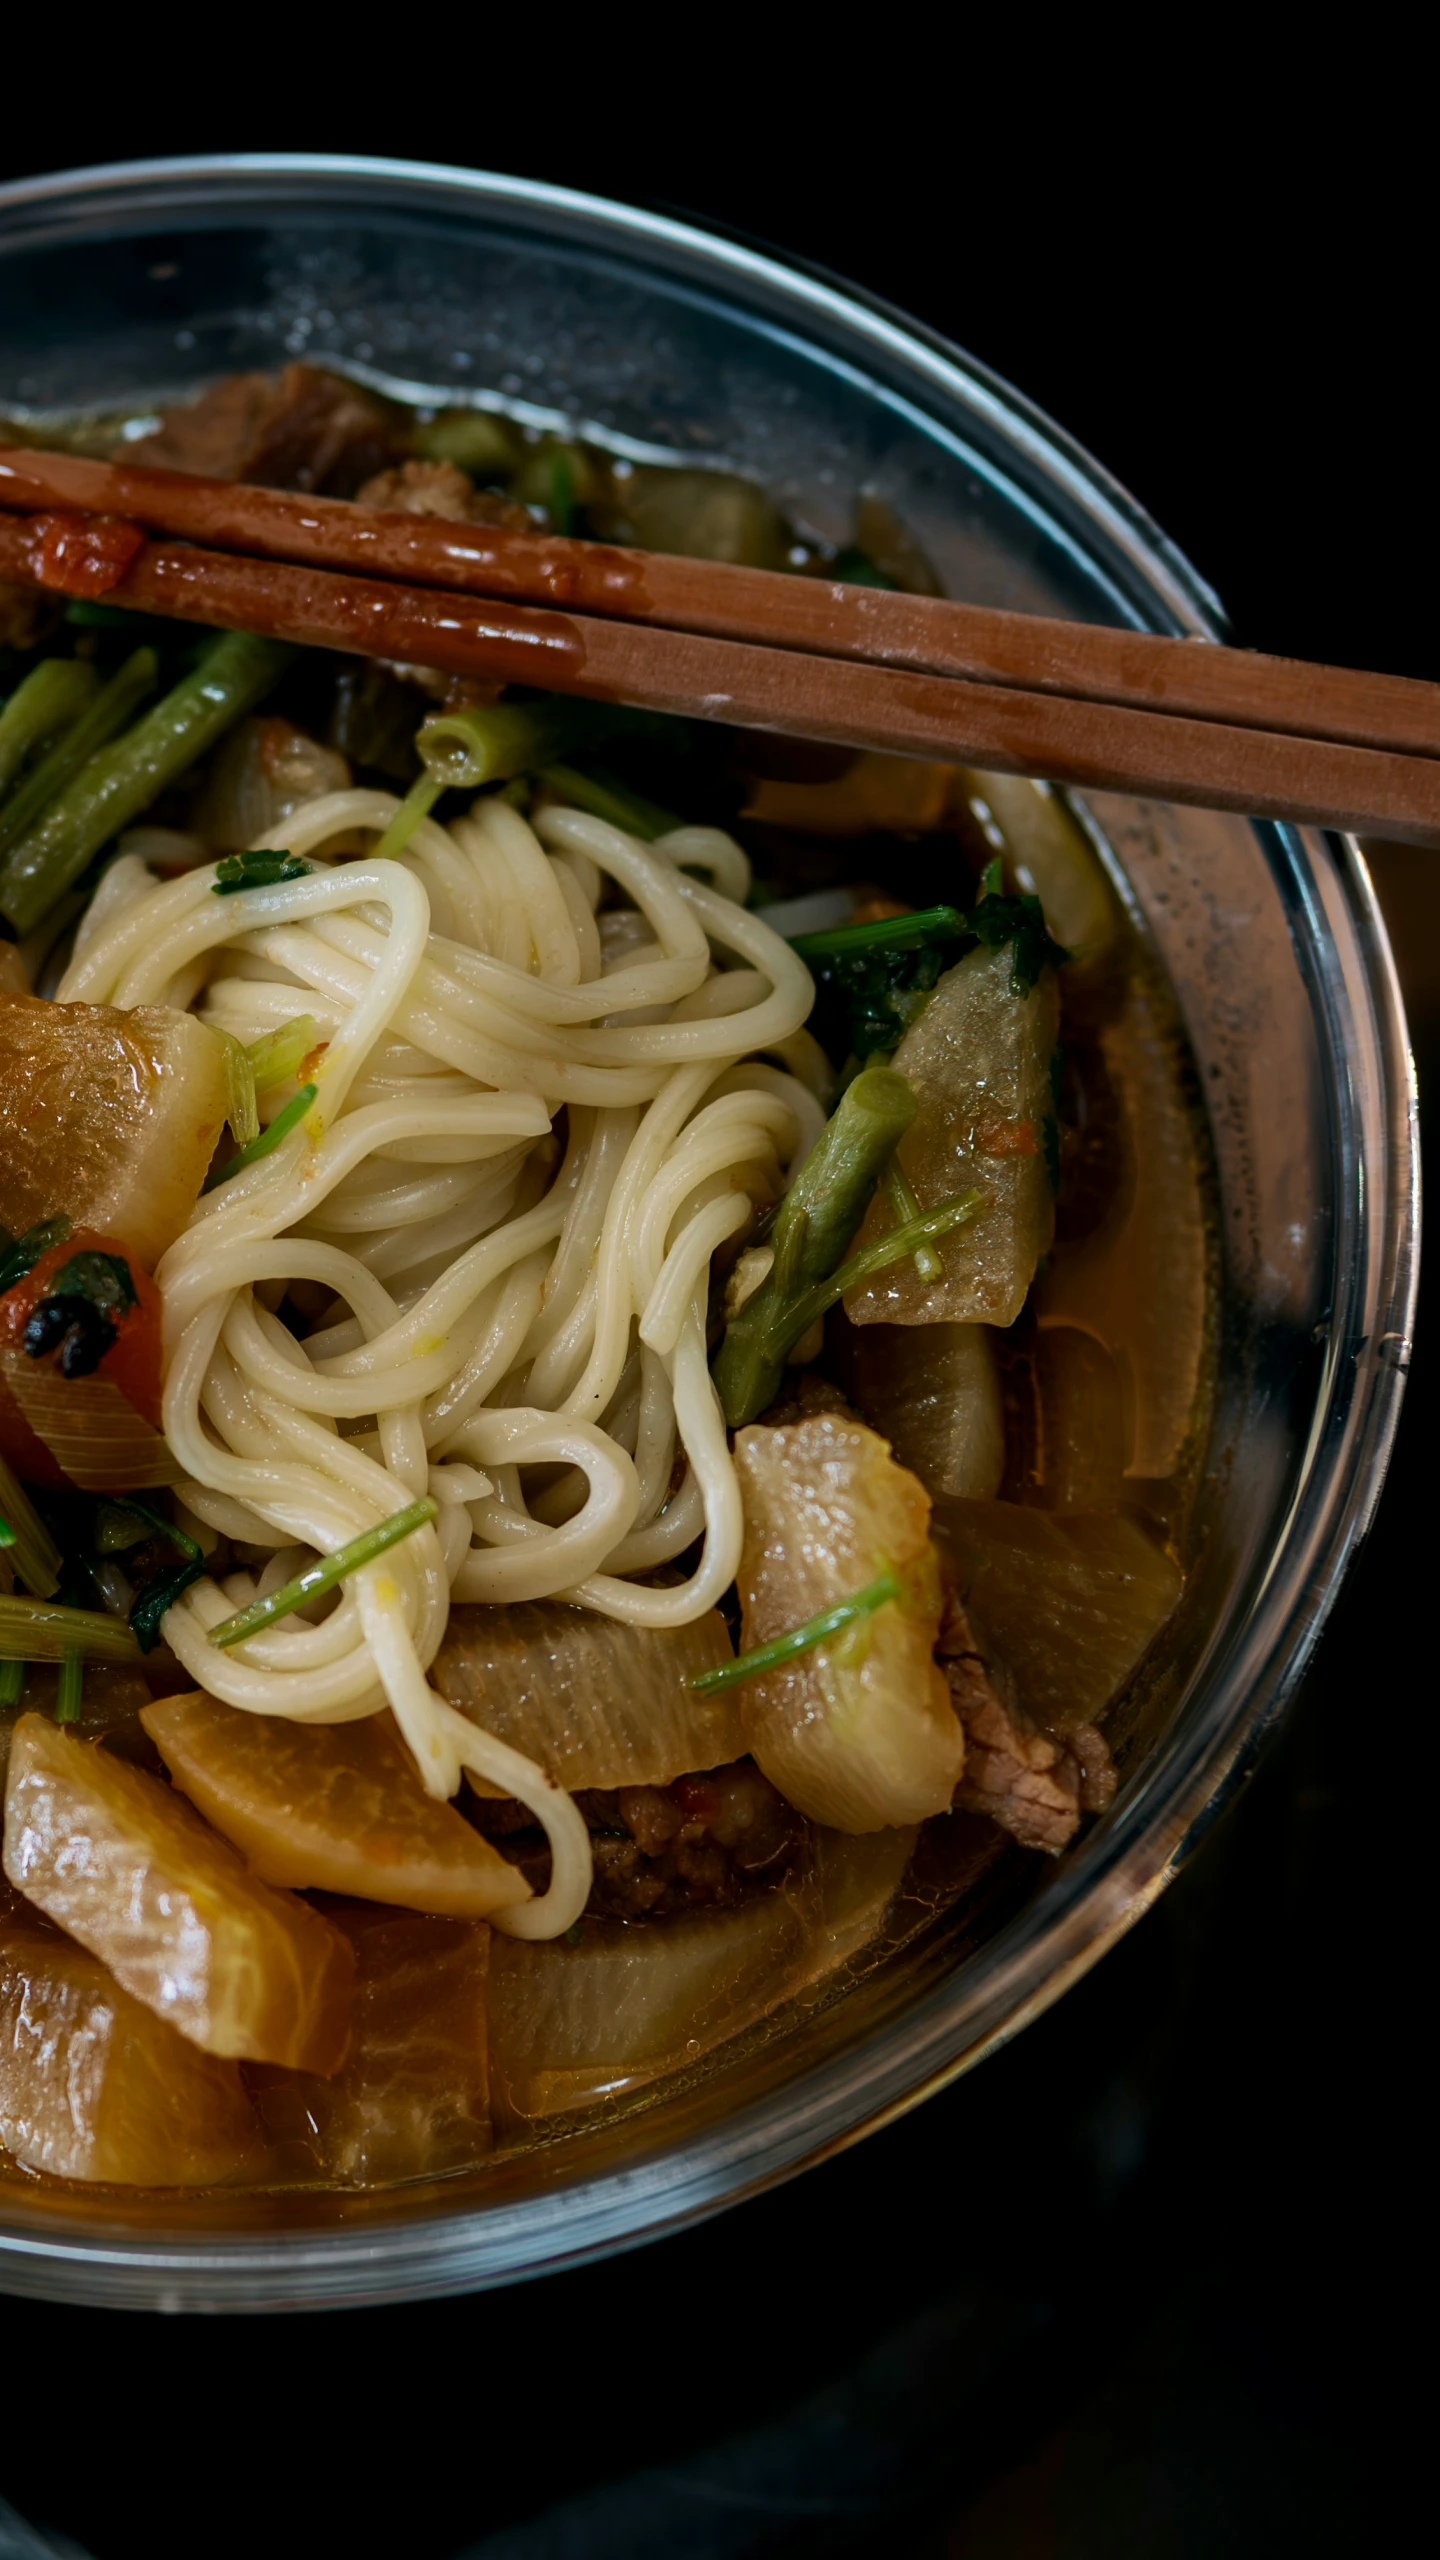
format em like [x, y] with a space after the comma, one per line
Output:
[817, 1630]
[45, 1631]
[817, 1219]
[69, 1689]
[108, 712]
[603, 795]
[325, 1573]
[267, 1141]
[49, 701]
[121, 780]
[492, 742]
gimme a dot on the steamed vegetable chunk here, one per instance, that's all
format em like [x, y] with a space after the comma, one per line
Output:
[978, 1059]
[108, 1117]
[94, 2086]
[628, 2004]
[338, 1806]
[597, 1702]
[1068, 1601]
[858, 1732]
[412, 2099]
[934, 1391]
[124, 1864]
[1138, 1282]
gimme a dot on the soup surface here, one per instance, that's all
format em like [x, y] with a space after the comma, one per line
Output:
[605, 1335]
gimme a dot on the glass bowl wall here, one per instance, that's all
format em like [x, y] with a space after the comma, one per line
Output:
[119, 287]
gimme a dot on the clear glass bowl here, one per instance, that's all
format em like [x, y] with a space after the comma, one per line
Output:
[127, 284]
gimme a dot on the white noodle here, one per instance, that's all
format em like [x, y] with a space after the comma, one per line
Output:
[499, 1305]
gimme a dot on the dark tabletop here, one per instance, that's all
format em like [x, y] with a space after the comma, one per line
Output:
[1136, 2287]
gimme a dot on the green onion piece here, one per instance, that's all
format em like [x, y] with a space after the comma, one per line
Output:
[605, 797]
[278, 1057]
[118, 1528]
[888, 933]
[154, 1521]
[240, 1108]
[7, 1534]
[268, 1140]
[120, 781]
[904, 1207]
[992, 879]
[269, 867]
[45, 1631]
[418, 802]
[33, 1551]
[110, 711]
[69, 1689]
[897, 1246]
[816, 1630]
[20, 1257]
[323, 1575]
[12, 1683]
[52, 696]
[489, 742]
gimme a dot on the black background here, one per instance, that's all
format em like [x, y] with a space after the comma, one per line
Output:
[1139, 2287]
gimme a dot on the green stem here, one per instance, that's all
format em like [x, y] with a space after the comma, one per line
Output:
[110, 711]
[491, 741]
[897, 1246]
[33, 1551]
[604, 796]
[817, 1219]
[268, 1140]
[904, 1206]
[324, 1575]
[121, 780]
[69, 1689]
[12, 1683]
[52, 696]
[45, 1631]
[887, 933]
[278, 1056]
[803, 1639]
[418, 802]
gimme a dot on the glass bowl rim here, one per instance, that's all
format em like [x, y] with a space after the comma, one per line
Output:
[1114, 1875]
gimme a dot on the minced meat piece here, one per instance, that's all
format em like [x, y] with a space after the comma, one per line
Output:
[1035, 1786]
[706, 1839]
[441, 489]
[301, 429]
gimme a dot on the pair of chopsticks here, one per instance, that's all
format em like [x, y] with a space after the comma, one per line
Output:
[1175, 720]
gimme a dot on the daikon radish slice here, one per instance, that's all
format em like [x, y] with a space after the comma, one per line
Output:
[859, 1731]
[596, 1702]
[123, 1863]
[94, 2086]
[338, 1806]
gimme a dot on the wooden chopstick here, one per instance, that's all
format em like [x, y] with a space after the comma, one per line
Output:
[926, 634]
[838, 700]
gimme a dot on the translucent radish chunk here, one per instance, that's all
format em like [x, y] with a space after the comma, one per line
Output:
[94, 2086]
[634, 2001]
[597, 1702]
[413, 2097]
[108, 1116]
[858, 1732]
[123, 1863]
[978, 1059]
[338, 1806]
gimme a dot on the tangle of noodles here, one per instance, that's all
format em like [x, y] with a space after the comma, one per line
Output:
[501, 1302]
